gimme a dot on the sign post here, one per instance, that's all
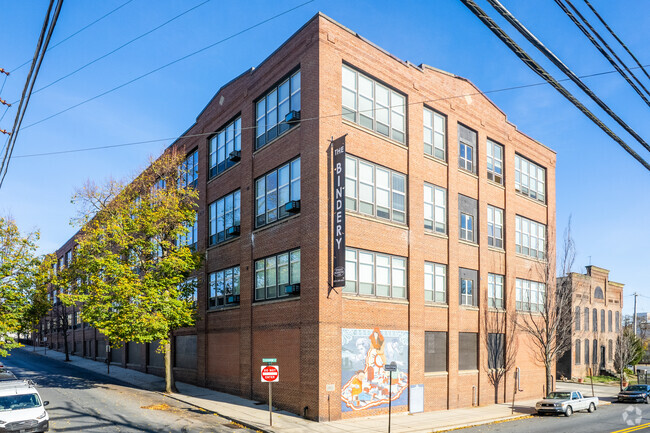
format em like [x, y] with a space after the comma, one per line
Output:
[270, 374]
[390, 368]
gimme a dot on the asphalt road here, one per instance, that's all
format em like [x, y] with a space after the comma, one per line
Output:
[82, 401]
[610, 418]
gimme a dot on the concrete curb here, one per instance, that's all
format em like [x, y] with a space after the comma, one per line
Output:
[480, 423]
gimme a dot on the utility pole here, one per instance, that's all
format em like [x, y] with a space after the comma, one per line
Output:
[634, 317]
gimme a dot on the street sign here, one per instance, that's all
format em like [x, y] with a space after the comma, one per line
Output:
[269, 360]
[391, 367]
[270, 373]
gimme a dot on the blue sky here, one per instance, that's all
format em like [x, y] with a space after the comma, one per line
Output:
[598, 184]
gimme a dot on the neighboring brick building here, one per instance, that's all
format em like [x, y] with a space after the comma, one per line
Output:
[597, 305]
[448, 209]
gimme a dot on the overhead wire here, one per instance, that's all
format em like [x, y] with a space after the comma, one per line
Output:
[168, 64]
[568, 72]
[616, 37]
[602, 50]
[528, 61]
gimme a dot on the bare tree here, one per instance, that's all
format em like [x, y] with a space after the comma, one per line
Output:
[629, 351]
[500, 339]
[550, 322]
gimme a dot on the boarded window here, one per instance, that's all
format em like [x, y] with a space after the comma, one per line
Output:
[435, 351]
[577, 354]
[185, 352]
[496, 351]
[468, 351]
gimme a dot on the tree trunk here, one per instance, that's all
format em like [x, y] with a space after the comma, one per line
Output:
[170, 384]
[496, 391]
[65, 343]
[549, 378]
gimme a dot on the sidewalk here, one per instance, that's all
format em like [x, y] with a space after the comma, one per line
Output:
[252, 415]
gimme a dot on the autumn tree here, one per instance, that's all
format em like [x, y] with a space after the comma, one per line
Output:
[22, 284]
[129, 271]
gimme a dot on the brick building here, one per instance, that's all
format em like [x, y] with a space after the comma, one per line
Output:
[448, 210]
[597, 305]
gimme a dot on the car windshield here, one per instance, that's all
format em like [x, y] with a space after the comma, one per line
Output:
[15, 402]
[7, 375]
[559, 395]
[636, 388]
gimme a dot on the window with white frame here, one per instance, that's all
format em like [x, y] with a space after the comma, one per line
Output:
[373, 105]
[435, 208]
[190, 238]
[224, 218]
[435, 134]
[374, 274]
[466, 149]
[189, 170]
[495, 226]
[468, 286]
[273, 108]
[494, 162]
[435, 282]
[530, 295]
[223, 287]
[274, 191]
[530, 179]
[374, 190]
[530, 237]
[495, 291]
[277, 276]
[225, 147]
[467, 227]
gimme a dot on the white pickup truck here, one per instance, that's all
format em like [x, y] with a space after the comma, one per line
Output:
[566, 402]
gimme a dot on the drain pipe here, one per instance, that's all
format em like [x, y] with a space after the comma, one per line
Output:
[474, 395]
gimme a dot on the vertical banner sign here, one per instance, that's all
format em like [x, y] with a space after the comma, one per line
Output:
[338, 149]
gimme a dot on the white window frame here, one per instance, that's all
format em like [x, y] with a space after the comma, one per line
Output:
[495, 227]
[271, 108]
[435, 282]
[218, 289]
[494, 162]
[495, 291]
[530, 238]
[435, 134]
[223, 214]
[367, 273]
[466, 227]
[284, 269]
[530, 179]
[435, 208]
[225, 141]
[529, 295]
[466, 156]
[466, 296]
[269, 203]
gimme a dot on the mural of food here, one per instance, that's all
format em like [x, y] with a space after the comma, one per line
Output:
[365, 382]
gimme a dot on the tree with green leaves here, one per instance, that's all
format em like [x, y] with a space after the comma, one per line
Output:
[130, 268]
[23, 284]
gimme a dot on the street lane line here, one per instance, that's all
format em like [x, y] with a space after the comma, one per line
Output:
[633, 428]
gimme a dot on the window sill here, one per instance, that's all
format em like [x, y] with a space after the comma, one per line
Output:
[497, 184]
[436, 374]
[220, 244]
[438, 160]
[467, 371]
[468, 307]
[375, 299]
[496, 250]
[274, 223]
[496, 309]
[435, 234]
[229, 308]
[435, 304]
[468, 173]
[535, 259]
[276, 301]
[375, 219]
[468, 243]
[524, 196]
[266, 145]
[374, 134]
[217, 176]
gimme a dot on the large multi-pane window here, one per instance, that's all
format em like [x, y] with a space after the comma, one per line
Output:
[495, 226]
[530, 237]
[466, 149]
[576, 319]
[223, 287]
[277, 276]
[435, 352]
[594, 353]
[374, 274]
[495, 291]
[225, 147]
[190, 238]
[586, 319]
[189, 169]
[494, 162]
[274, 191]
[467, 351]
[530, 179]
[594, 320]
[435, 282]
[577, 354]
[224, 218]
[373, 105]
[530, 295]
[602, 320]
[272, 110]
[609, 321]
[374, 190]
[435, 208]
[435, 134]
[587, 352]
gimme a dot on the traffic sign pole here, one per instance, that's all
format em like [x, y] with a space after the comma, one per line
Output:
[390, 368]
[271, 404]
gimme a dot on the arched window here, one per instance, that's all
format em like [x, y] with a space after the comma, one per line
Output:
[609, 321]
[586, 352]
[598, 293]
[577, 319]
[595, 320]
[610, 350]
[594, 354]
[577, 354]
[586, 319]
[602, 320]
[618, 321]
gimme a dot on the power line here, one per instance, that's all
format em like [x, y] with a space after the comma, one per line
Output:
[120, 47]
[600, 48]
[78, 31]
[569, 73]
[617, 38]
[31, 79]
[168, 64]
[205, 134]
[519, 52]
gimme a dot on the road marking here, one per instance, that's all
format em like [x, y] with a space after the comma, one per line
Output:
[633, 428]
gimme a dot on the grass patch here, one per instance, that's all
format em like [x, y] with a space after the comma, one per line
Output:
[601, 379]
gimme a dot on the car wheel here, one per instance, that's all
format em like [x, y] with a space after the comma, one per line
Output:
[647, 399]
[569, 411]
[592, 408]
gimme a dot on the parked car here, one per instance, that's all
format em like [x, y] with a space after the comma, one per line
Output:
[6, 375]
[566, 402]
[21, 408]
[635, 393]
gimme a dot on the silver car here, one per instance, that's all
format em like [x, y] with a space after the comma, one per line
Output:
[566, 402]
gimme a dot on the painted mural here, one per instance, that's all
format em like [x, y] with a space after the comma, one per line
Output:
[365, 382]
